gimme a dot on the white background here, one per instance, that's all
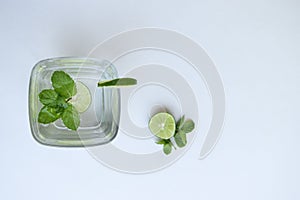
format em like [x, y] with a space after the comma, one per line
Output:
[255, 45]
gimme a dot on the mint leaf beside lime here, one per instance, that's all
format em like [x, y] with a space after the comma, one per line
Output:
[167, 145]
[161, 141]
[70, 117]
[180, 138]
[167, 148]
[180, 123]
[188, 126]
[63, 84]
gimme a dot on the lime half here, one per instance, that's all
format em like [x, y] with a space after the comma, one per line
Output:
[82, 100]
[162, 125]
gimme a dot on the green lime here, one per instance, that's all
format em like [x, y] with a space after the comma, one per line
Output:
[82, 100]
[162, 125]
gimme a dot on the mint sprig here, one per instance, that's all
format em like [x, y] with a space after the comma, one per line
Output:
[182, 128]
[180, 138]
[56, 100]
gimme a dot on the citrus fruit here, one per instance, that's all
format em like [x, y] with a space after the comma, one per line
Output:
[162, 125]
[82, 100]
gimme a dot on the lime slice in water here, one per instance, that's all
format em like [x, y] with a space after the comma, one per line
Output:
[82, 100]
[162, 125]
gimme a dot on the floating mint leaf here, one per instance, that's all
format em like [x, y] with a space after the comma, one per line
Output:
[63, 84]
[180, 123]
[48, 97]
[118, 82]
[180, 138]
[167, 148]
[61, 102]
[70, 117]
[48, 115]
[188, 126]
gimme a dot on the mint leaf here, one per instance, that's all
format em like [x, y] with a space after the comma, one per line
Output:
[61, 102]
[63, 84]
[161, 142]
[180, 138]
[118, 82]
[48, 115]
[180, 123]
[70, 117]
[48, 97]
[188, 126]
[167, 148]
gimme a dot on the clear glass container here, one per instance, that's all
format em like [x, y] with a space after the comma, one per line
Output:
[98, 124]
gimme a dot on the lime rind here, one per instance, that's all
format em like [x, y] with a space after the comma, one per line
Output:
[117, 82]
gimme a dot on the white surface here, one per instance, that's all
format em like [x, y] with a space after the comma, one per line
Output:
[255, 45]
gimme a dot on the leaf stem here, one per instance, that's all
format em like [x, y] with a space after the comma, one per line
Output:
[68, 99]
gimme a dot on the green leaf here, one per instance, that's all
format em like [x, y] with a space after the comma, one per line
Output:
[180, 139]
[167, 148]
[180, 123]
[48, 97]
[161, 142]
[118, 82]
[63, 84]
[188, 126]
[47, 115]
[70, 117]
[61, 102]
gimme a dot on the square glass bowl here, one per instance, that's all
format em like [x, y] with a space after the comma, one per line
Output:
[98, 124]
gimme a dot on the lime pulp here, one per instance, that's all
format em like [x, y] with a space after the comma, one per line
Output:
[162, 125]
[82, 100]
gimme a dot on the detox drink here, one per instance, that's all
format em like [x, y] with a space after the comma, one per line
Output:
[97, 108]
